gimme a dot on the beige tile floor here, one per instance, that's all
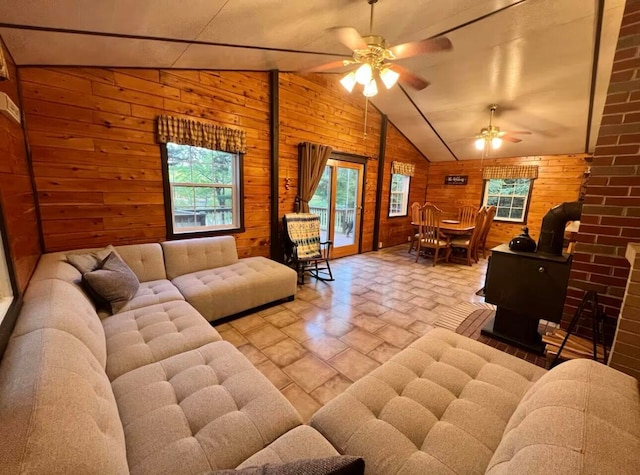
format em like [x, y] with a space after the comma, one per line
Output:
[334, 333]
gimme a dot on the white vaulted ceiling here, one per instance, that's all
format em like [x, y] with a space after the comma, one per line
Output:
[534, 58]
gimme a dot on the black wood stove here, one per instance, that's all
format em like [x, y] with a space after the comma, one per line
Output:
[529, 286]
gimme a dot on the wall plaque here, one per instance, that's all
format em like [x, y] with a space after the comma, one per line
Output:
[456, 179]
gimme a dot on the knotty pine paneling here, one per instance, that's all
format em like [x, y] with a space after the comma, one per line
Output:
[396, 230]
[95, 158]
[559, 179]
[16, 192]
[316, 108]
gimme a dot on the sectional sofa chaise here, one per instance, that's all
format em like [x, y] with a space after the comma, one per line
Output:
[153, 389]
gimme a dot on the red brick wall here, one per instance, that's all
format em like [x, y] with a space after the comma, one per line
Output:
[611, 213]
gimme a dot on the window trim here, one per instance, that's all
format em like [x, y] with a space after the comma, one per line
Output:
[526, 206]
[8, 320]
[168, 209]
[406, 210]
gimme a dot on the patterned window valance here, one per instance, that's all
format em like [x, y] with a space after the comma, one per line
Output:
[200, 134]
[510, 172]
[401, 168]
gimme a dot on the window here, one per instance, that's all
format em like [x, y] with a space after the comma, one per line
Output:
[204, 189]
[509, 196]
[399, 199]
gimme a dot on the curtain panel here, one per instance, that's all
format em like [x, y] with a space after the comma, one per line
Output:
[313, 159]
[510, 172]
[200, 134]
[401, 168]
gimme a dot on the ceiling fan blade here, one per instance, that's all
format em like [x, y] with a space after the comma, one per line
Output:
[324, 67]
[431, 45]
[410, 79]
[508, 138]
[349, 37]
[521, 132]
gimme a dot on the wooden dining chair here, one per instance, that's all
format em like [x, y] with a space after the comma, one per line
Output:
[470, 244]
[416, 217]
[467, 215]
[429, 236]
[486, 227]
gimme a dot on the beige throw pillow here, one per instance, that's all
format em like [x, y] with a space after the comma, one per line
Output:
[91, 260]
[113, 281]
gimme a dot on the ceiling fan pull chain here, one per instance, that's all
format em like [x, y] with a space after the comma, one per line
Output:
[366, 110]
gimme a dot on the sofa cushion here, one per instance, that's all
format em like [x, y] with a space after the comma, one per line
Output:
[55, 266]
[149, 334]
[303, 442]
[205, 409]
[113, 281]
[57, 408]
[440, 405]
[152, 293]
[251, 282]
[192, 255]
[581, 417]
[145, 260]
[54, 303]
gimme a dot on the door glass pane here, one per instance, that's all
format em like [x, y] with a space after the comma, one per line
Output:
[346, 199]
[321, 201]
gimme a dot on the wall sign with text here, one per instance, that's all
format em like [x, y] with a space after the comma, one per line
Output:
[456, 179]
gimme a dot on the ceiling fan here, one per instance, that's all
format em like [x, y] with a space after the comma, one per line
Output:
[490, 138]
[373, 56]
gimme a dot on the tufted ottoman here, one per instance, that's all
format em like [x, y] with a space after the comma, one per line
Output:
[448, 404]
[439, 406]
[212, 278]
[208, 409]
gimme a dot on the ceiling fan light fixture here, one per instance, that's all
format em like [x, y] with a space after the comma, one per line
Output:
[370, 89]
[496, 143]
[364, 74]
[389, 77]
[479, 143]
[349, 81]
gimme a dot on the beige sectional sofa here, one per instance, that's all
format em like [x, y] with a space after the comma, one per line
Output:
[451, 405]
[151, 389]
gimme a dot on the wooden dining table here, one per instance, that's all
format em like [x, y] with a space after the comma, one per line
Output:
[451, 227]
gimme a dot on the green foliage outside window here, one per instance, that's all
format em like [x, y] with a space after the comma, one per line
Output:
[510, 196]
[346, 189]
[202, 187]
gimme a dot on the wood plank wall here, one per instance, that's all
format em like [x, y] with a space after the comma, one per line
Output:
[559, 180]
[316, 108]
[96, 161]
[16, 192]
[396, 230]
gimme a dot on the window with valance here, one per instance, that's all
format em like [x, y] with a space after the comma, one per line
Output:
[509, 188]
[203, 175]
[401, 173]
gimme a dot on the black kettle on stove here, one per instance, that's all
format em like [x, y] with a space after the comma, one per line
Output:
[523, 242]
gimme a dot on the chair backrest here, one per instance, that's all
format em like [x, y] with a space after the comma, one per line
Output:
[430, 225]
[479, 224]
[303, 232]
[416, 212]
[467, 215]
[488, 220]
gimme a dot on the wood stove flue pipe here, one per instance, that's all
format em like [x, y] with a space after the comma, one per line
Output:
[553, 224]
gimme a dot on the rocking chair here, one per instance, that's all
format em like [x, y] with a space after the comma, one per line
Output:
[303, 250]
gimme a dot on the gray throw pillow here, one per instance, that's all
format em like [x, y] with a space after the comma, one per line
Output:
[338, 465]
[113, 281]
[91, 260]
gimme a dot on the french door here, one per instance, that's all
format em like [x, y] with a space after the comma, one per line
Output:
[338, 202]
